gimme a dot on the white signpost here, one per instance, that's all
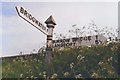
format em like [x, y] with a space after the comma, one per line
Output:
[50, 23]
[23, 13]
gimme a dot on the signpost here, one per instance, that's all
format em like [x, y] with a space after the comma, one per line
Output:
[23, 13]
[50, 24]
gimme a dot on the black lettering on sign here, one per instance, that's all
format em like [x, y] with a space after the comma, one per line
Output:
[96, 36]
[96, 42]
[30, 16]
[21, 10]
[33, 19]
[25, 13]
[81, 38]
[39, 24]
[89, 38]
[36, 22]
[85, 38]
[110, 38]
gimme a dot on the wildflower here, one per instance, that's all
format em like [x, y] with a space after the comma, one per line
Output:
[54, 76]
[14, 60]
[78, 76]
[31, 77]
[38, 60]
[35, 77]
[110, 59]
[79, 56]
[66, 74]
[35, 59]
[21, 75]
[82, 58]
[21, 58]
[27, 72]
[71, 65]
[40, 74]
[27, 77]
[44, 72]
[94, 74]
[44, 75]
[100, 63]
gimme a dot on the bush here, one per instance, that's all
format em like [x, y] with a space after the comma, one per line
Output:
[79, 62]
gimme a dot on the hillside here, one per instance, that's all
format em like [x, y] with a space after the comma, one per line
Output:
[100, 61]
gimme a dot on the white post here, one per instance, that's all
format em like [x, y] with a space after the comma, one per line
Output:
[48, 56]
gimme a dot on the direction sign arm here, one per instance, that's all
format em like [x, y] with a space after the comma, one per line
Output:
[23, 14]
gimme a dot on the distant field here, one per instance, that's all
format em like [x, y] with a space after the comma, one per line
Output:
[79, 62]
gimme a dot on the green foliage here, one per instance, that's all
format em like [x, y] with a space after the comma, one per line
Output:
[79, 62]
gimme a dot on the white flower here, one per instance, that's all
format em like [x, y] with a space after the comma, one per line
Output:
[38, 60]
[110, 59]
[21, 75]
[66, 74]
[94, 74]
[40, 74]
[79, 56]
[54, 76]
[100, 63]
[71, 65]
[44, 72]
[44, 76]
[14, 60]
[35, 59]
[82, 58]
[78, 76]
[31, 77]
[35, 77]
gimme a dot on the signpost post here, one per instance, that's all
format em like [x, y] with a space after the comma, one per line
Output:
[50, 23]
[48, 57]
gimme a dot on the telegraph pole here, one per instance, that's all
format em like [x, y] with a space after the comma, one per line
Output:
[50, 23]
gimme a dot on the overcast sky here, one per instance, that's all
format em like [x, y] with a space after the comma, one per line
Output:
[19, 36]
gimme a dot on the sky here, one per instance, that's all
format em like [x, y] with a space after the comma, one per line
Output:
[17, 35]
[59, 0]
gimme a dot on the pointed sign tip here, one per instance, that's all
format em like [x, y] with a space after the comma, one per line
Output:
[50, 20]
